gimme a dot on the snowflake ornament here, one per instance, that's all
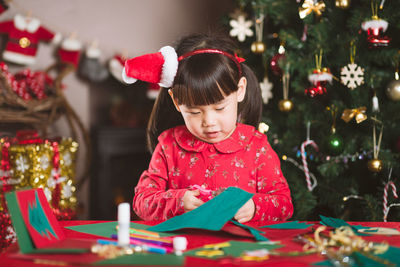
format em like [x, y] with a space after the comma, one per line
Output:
[241, 28]
[67, 191]
[22, 164]
[352, 75]
[266, 90]
[44, 162]
[67, 159]
[47, 193]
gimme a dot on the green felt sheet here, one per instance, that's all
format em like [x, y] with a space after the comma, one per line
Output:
[107, 229]
[288, 225]
[255, 232]
[391, 258]
[212, 215]
[145, 259]
[235, 249]
[336, 223]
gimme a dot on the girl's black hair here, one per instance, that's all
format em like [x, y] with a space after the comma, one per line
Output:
[204, 79]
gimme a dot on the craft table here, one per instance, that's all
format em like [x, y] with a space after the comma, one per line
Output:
[197, 238]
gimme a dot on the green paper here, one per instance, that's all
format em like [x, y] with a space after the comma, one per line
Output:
[336, 223]
[288, 225]
[144, 259]
[238, 247]
[25, 242]
[235, 249]
[360, 260]
[255, 232]
[212, 215]
[107, 229]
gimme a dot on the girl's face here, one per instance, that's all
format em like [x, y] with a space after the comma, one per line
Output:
[216, 122]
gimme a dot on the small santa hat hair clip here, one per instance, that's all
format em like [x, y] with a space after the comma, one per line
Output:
[159, 68]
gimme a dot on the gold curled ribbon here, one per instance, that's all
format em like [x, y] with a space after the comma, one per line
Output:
[309, 6]
[357, 113]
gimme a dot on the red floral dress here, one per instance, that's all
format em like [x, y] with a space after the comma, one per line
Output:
[180, 161]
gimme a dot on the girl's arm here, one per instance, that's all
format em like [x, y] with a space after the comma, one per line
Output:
[153, 200]
[272, 200]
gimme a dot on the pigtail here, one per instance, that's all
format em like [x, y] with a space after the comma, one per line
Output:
[250, 109]
[163, 116]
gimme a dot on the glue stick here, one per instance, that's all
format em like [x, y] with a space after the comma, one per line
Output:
[124, 219]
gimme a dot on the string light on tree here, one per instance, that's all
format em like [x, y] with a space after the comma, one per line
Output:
[333, 142]
[393, 88]
[342, 4]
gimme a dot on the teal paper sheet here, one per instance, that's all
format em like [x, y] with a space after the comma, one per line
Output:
[336, 223]
[255, 232]
[212, 215]
[288, 225]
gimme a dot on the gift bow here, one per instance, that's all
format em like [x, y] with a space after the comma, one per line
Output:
[311, 6]
[358, 113]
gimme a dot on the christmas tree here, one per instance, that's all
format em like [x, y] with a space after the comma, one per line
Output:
[329, 79]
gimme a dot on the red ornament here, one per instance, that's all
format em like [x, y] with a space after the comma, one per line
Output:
[318, 89]
[375, 29]
[275, 63]
[319, 78]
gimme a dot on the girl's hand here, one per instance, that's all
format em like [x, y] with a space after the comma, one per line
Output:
[190, 201]
[246, 212]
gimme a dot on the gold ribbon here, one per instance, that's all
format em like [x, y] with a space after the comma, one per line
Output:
[309, 6]
[357, 113]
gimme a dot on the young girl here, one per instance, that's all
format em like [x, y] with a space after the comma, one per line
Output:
[204, 121]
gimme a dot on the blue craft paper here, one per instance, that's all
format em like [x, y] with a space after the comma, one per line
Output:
[212, 215]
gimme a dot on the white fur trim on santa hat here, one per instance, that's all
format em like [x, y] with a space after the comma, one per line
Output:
[375, 24]
[30, 24]
[18, 58]
[71, 44]
[320, 77]
[170, 66]
[127, 79]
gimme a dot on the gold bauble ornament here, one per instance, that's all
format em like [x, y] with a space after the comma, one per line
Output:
[375, 165]
[343, 4]
[393, 90]
[258, 47]
[285, 105]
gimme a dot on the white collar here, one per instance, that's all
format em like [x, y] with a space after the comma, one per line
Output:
[22, 23]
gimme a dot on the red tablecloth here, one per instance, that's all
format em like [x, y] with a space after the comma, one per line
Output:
[197, 238]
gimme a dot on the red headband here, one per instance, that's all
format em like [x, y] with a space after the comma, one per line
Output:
[235, 58]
